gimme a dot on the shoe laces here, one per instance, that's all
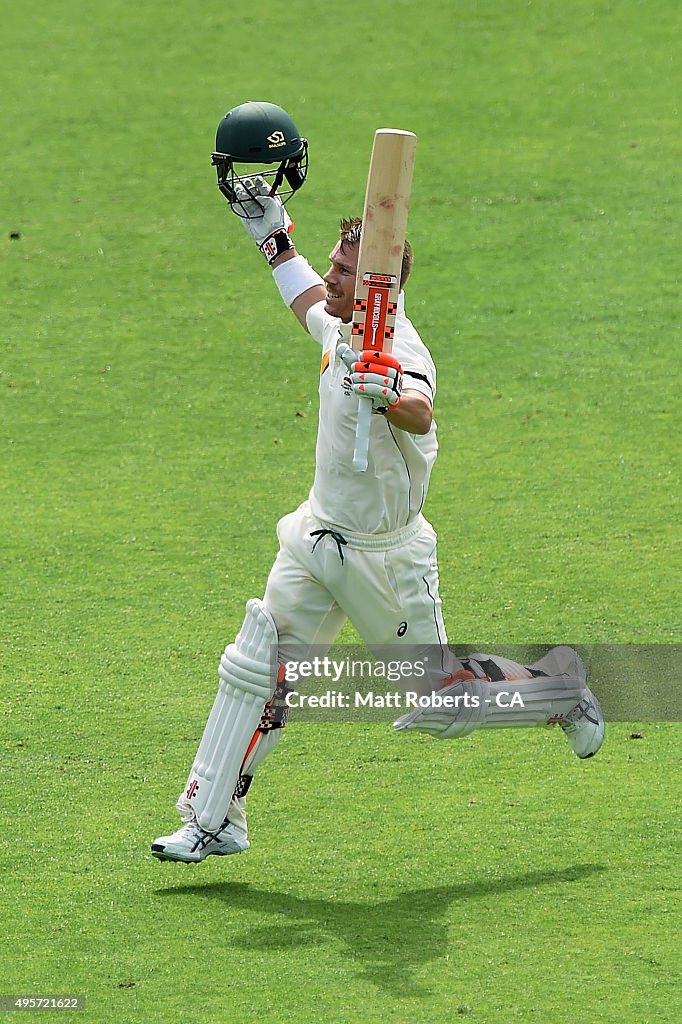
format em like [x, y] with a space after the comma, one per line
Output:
[573, 718]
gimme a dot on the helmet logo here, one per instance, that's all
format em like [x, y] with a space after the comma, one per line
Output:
[276, 140]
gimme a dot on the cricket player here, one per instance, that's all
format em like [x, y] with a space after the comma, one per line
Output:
[359, 547]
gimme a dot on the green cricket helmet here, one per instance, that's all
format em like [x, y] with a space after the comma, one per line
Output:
[256, 134]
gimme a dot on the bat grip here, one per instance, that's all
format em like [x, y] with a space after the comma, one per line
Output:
[362, 435]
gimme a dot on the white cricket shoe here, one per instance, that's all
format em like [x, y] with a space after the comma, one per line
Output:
[191, 843]
[583, 725]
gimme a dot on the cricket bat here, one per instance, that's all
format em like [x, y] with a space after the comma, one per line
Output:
[377, 285]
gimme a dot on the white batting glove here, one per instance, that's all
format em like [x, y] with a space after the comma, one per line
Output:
[349, 355]
[264, 217]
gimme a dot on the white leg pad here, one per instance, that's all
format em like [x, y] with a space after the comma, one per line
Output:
[542, 697]
[265, 743]
[524, 702]
[248, 673]
[520, 698]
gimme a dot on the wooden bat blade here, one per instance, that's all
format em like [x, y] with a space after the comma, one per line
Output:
[387, 202]
[384, 225]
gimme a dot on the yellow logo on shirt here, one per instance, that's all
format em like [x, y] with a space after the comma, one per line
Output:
[325, 363]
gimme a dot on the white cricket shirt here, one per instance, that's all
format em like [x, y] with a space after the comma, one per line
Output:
[391, 493]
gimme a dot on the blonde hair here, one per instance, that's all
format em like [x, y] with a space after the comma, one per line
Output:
[350, 229]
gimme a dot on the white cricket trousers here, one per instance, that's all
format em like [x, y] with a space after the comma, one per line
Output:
[385, 584]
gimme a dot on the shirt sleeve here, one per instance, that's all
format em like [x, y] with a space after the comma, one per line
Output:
[316, 320]
[419, 372]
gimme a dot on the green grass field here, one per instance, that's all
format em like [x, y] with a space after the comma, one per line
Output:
[391, 878]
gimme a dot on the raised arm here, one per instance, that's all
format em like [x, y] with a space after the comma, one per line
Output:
[270, 226]
[299, 277]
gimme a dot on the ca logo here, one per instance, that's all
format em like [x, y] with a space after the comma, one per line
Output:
[276, 140]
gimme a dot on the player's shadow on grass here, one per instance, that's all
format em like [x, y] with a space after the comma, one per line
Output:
[390, 939]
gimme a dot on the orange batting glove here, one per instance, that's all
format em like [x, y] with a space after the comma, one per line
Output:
[379, 376]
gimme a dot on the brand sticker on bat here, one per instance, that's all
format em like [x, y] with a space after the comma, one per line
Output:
[380, 280]
[377, 309]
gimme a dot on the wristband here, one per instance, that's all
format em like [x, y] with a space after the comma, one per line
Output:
[293, 277]
[278, 242]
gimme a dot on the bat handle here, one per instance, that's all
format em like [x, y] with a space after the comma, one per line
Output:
[362, 435]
